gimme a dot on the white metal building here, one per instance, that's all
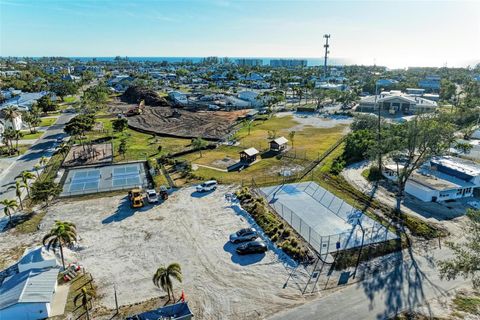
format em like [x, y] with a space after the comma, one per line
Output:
[28, 295]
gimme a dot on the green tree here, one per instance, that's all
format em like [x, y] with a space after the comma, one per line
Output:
[120, 124]
[64, 88]
[8, 136]
[18, 191]
[8, 206]
[466, 255]
[26, 176]
[122, 147]
[46, 104]
[164, 275]
[416, 142]
[32, 120]
[199, 144]
[63, 233]
[83, 298]
[43, 190]
[291, 136]
[248, 125]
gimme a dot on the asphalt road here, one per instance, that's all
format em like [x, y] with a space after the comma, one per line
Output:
[26, 161]
[404, 286]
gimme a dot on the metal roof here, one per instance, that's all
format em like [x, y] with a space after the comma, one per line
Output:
[250, 151]
[280, 141]
[31, 286]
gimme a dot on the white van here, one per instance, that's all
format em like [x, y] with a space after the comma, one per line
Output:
[207, 186]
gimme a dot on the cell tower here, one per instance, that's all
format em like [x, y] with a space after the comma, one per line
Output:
[326, 46]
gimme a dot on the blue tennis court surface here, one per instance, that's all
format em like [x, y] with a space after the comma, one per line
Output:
[104, 178]
[84, 180]
[324, 220]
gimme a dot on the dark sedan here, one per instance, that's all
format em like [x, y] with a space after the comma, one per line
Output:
[252, 247]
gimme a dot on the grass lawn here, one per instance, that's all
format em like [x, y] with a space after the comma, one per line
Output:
[69, 99]
[139, 145]
[29, 136]
[47, 121]
[309, 141]
[22, 148]
[467, 303]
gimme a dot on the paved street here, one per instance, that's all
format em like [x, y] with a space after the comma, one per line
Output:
[32, 156]
[380, 295]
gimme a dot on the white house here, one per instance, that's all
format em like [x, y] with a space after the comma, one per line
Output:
[440, 179]
[179, 98]
[28, 294]
[396, 102]
[252, 97]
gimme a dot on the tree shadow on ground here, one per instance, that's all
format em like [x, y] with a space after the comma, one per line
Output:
[123, 212]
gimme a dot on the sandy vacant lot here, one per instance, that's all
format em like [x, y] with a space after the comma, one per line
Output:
[124, 247]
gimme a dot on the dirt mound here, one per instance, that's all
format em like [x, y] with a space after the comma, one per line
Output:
[136, 93]
[211, 125]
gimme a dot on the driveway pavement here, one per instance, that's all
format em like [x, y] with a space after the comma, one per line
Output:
[32, 156]
[381, 294]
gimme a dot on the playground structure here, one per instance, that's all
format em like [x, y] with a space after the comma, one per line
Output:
[88, 154]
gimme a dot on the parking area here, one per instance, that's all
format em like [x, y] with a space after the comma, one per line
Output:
[124, 247]
[327, 222]
[104, 178]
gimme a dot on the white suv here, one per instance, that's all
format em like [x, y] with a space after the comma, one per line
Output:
[152, 196]
[207, 186]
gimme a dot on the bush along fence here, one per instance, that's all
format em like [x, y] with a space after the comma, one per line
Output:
[279, 231]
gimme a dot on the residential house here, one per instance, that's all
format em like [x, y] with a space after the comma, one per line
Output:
[430, 83]
[24, 100]
[178, 98]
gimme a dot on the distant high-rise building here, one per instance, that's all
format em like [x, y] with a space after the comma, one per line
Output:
[288, 63]
[249, 62]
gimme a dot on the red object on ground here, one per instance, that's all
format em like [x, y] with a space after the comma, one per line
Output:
[183, 298]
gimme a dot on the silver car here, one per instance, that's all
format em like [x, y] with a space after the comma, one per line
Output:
[242, 235]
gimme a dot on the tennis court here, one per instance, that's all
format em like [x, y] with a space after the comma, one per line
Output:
[327, 222]
[104, 178]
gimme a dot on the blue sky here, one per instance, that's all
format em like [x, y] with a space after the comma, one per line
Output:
[396, 34]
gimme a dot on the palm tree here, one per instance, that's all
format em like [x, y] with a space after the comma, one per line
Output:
[37, 167]
[249, 125]
[62, 233]
[199, 144]
[82, 298]
[27, 175]
[18, 136]
[9, 136]
[10, 113]
[8, 206]
[64, 148]
[43, 161]
[291, 136]
[163, 278]
[18, 191]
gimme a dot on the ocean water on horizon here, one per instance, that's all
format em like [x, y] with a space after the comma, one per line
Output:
[266, 61]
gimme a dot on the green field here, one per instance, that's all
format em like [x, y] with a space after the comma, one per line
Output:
[139, 145]
[29, 136]
[47, 121]
[309, 143]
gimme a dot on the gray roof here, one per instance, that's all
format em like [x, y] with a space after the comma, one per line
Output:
[280, 141]
[32, 286]
[251, 151]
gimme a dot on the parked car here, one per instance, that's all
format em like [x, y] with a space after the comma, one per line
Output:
[242, 235]
[252, 247]
[207, 186]
[152, 196]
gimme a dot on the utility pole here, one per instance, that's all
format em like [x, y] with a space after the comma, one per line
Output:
[326, 46]
[379, 133]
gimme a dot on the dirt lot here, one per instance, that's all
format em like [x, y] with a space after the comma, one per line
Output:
[124, 247]
[188, 124]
